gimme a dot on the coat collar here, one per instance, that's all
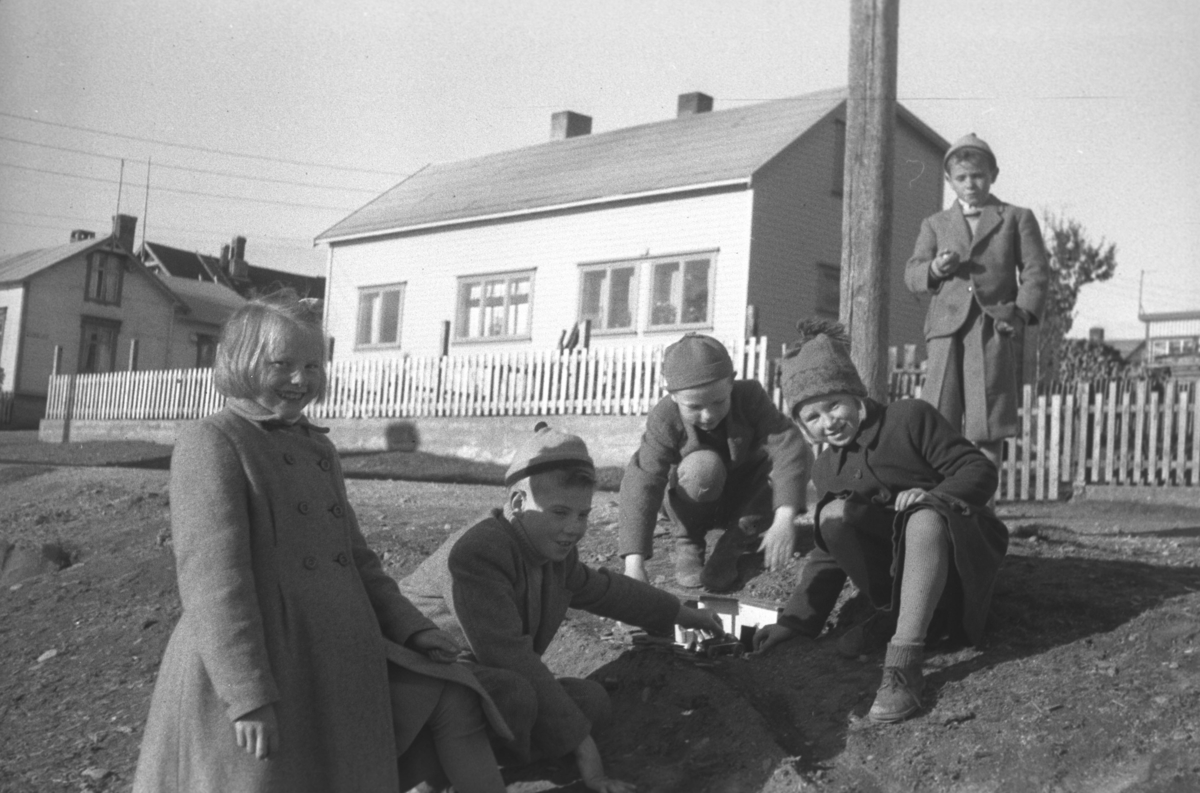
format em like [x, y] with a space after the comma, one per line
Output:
[252, 411]
[514, 527]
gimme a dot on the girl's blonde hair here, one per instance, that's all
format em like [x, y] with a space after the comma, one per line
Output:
[247, 337]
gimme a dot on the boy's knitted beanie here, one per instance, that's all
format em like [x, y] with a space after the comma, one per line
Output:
[547, 450]
[695, 360]
[818, 363]
[970, 141]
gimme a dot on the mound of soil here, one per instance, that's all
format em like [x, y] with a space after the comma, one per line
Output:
[1090, 679]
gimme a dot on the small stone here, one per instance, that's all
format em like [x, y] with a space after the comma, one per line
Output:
[46, 656]
[96, 774]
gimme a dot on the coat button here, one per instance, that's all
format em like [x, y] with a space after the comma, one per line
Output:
[289, 458]
[302, 507]
[337, 510]
[325, 465]
[310, 563]
[342, 559]
[858, 473]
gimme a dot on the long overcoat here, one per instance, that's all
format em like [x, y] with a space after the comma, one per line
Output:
[283, 604]
[906, 444]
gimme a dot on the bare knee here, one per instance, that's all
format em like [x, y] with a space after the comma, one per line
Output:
[830, 520]
[926, 532]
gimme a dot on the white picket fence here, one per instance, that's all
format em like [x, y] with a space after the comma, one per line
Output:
[1118, 433]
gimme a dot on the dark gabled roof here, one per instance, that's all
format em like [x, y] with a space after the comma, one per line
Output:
[20, 266]
[207, 301]
[711, 149]
[181, 263]
[262, 280]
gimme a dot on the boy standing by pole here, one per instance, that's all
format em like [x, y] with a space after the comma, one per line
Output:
[984, 262]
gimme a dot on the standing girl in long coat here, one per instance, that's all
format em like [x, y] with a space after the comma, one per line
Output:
[903, 512]
[276, 677]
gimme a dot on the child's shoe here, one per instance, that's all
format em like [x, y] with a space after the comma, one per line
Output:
[689, 563]
[869, 636]
[899, 695]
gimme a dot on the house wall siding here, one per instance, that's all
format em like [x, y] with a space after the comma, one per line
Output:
[56, 306]
[430, 264]
[798, 226]
[11, 300]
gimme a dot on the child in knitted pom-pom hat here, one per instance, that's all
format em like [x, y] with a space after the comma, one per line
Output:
[903, 512]
[726, 458]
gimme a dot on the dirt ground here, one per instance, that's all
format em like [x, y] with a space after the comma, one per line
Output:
[1089, 681]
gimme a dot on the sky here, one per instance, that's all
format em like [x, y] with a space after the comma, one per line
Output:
[274, 119]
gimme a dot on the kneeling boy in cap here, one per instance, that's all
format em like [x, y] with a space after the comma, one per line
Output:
[903, 512]
[726, 458]
[503, 586]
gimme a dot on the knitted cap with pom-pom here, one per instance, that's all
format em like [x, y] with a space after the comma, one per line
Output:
[818, 364]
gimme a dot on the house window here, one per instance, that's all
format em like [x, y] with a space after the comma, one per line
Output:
[829, 291]
[494, 306]
[681, 292]
[98, 345]
[206, 350]
[380, 311]
[839, 157]
[104, 278]
[608, 295]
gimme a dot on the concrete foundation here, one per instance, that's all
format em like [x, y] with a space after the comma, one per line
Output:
[611, 439]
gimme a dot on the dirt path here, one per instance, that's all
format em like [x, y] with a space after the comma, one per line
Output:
[1090, 680]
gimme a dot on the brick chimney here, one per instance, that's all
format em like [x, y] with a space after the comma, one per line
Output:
[693, 104]
[124, 229]
[569, 124]
[237, 259]
[79, 235]
[1096, 335]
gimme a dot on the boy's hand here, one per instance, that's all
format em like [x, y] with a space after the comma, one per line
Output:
[945, 264]
[591, 769]
[766, 637]
[779, 541]
[635, 567]
[435, 643]
[258, 732]
[700, 620]
[907, 498]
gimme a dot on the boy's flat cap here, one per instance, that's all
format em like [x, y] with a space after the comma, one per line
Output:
[970, 141]
[547, 450]
[695, 360]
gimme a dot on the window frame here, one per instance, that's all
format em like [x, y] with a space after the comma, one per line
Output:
[206, 341]
[85, 322]
[118, 262]
[379, 290]
[462, 310]
[683, 259]
[606, 295]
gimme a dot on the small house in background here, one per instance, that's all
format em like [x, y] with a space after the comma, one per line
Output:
[230, 269]
[1173, 342]
[726, 222]
[194, 343]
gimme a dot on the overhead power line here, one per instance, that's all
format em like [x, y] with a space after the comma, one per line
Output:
[304, 241]
[191, 170]
[157, 188]
[206, 149]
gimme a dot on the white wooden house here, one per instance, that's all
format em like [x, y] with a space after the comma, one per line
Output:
[722, 222]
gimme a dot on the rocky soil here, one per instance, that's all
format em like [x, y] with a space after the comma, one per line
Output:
[1089, 681]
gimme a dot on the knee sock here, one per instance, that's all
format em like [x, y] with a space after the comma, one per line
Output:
[926, 569]
[462, 744]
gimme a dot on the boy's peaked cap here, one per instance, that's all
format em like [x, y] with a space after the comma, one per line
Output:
[970, 141]
[818, 363]
[695, 360]
[547, 450]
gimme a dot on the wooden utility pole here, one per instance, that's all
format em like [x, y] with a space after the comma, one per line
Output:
[867, 194]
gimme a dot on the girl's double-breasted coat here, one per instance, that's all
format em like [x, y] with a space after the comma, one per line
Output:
[283, 604]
